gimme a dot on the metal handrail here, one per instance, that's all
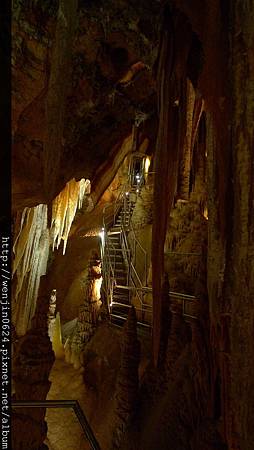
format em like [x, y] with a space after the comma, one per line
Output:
[109, 268]
[74, 404]
[182, 253]
[189, 297]
[131, 267]
[121, 203]
[132, 274]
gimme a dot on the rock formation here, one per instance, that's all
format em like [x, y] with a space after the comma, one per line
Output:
[88, 312]
[94, 82]
[31, 368]
[127, 389]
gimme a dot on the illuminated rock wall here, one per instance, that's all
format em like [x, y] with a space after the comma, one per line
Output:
[32, 244]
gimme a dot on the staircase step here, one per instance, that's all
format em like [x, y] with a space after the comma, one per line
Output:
[117, 297]
[121, 301]
[122, 290]
[120, 278]
[114, 245]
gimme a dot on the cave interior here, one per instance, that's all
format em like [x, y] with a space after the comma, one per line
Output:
[133, 224]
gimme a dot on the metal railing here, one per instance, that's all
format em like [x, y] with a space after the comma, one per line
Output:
[182, 253]
[134, 279]
[110, 215]
[74, 404]
[185, 299]
[128, 234]
[135, 285]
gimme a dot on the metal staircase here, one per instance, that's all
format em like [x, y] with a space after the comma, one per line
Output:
[120, 277]
[123, 285]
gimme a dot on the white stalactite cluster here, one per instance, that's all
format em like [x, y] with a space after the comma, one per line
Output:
[31, 250]
[31, 247]
[64, 209]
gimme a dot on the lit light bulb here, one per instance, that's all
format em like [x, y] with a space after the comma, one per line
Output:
[137, 190]
[126, 193]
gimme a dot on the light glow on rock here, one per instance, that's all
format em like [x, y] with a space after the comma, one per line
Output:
[64, 208]
[31, 249]
[147, 164]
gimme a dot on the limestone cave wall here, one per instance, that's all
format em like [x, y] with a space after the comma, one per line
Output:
[92, 83]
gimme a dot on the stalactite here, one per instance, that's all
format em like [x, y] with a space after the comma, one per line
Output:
[64, 209]
[31, 256]
[174, 48]
[199, 188]
[187, 150]
[31, 247]
[166, 169]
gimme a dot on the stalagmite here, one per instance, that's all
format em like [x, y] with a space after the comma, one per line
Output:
[31, 368]
[57, 338]
[64, 209]
[88, 313]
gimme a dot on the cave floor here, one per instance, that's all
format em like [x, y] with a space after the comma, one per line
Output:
[64, 430]
[97, 403]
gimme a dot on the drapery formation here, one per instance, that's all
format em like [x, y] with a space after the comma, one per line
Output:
[171, 79]
[64, 209]
[180, 111]
[31, 247]
[31, 250]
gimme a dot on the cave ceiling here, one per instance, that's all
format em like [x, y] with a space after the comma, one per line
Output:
[113, 50]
